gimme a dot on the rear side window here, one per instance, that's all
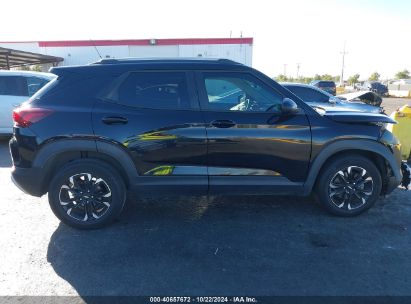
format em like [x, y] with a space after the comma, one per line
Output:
[155, 90]
[13, 85]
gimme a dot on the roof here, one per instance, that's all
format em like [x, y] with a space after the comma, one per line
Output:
[304, 85]
[27, 73]
[128, 64]
[14, 58]
[297, 84]
[178, 41]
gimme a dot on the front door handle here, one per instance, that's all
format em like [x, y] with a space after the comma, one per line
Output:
[223, 123]
[114, 120]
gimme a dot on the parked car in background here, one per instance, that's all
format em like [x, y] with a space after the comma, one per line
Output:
[374, 86]
[328, 86]
[319, 98]
[170, 126]
[15, 88]
[367, 97]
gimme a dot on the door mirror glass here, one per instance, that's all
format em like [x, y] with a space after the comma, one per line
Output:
[289, 106]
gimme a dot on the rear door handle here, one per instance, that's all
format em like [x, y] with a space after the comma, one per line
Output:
[114, 120]
[223, 123]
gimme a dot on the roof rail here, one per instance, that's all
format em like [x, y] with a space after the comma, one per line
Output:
[178, 59]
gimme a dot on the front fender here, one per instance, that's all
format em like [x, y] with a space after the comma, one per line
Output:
[352, 144]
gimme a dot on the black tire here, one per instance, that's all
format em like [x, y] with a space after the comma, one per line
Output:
[342, 179]
[80, 208]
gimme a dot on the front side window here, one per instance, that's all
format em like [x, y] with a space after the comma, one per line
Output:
[13, 85]
[240, 92]
[155, 90]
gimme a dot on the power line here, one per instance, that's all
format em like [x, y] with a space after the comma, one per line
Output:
[343, 65]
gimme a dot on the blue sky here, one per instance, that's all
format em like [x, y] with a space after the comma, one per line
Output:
[286, 32]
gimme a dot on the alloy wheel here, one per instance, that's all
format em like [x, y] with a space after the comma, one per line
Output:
[350, 188]
[85, 197]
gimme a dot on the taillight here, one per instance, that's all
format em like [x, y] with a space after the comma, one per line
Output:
[24, 117]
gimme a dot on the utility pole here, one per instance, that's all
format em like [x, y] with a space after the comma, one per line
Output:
[298, 69]
[342, 68]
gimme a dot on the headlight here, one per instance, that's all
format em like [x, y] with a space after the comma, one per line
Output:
[390, 140]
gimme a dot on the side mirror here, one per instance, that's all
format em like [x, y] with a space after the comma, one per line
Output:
[289, 106]
[333, 100]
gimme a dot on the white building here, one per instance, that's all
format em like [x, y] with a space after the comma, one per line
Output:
[78, 52]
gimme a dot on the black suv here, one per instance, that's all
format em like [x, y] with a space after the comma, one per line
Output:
[325, 85]
[171, 127]
[374, 86]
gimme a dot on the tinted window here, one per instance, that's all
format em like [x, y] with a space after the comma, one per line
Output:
[240, 92]
[34, 84]
[308, 94]
[156, 90]
[327, 84]
[13, 85]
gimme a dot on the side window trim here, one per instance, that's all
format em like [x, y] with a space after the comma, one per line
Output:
[203, 96]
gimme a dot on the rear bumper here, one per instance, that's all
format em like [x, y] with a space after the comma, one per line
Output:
[29, 180]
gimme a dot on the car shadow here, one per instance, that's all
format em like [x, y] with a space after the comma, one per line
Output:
[188, 246]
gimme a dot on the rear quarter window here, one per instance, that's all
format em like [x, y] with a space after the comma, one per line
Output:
[72, 90]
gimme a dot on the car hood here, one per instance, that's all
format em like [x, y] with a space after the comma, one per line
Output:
[359, 117]
[365, 96]
[346, 106]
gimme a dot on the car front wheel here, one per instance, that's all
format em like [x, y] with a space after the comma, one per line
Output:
[349, 185]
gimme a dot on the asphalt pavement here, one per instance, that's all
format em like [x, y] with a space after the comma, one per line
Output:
[205, 246]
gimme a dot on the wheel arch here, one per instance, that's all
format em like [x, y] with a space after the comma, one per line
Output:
[375, 151]
[55, 154]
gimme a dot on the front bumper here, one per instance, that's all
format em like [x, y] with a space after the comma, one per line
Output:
[406, 174]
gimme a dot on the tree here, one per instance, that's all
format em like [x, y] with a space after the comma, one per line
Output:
[404, 74]
[281, 78]
[336, 78]
[353, 79]
[327, 77]
[374, 76]
[36, 68]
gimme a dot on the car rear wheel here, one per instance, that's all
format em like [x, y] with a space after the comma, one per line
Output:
[349, 185]
[87, 194]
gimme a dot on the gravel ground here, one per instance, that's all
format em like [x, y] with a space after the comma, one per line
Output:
[198, 246]
[392, 104]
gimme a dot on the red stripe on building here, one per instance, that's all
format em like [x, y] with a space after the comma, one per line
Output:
[188, 41]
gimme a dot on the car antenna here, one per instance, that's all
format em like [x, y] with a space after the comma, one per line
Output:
[95, 47]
